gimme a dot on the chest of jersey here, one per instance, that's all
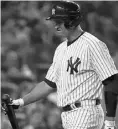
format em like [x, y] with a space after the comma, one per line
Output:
[74, 70]
[74, 59]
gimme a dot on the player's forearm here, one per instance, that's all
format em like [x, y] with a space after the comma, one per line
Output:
[110, 103]
[110, 94]
[40, 91]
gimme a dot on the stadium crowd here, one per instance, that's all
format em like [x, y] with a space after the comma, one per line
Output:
[28, 42]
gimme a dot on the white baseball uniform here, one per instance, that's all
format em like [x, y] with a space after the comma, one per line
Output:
[77, 72]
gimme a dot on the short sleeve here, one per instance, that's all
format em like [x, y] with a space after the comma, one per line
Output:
[102, 61]
[52, 74]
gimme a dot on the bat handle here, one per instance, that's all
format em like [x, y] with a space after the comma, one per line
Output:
[10, 111]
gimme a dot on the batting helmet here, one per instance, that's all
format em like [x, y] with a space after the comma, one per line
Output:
[68, 12]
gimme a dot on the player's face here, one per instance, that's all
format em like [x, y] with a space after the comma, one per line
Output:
[59, 26]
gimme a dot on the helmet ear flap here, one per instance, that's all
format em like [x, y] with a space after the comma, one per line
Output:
[67, 25]
[73, 23]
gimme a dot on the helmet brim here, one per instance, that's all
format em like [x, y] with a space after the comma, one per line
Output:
[52, 18]
[48, 18]
[57, 17]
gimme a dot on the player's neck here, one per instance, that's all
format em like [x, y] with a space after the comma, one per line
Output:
[74, 34]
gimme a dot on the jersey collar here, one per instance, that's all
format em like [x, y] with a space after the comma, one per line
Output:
[69, 43]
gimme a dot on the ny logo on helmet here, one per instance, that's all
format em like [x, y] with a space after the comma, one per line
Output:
[73, 66]
[53, 11]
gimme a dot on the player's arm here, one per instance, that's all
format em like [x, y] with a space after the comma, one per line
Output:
[110, 96]
[43, 88]
[40, 91]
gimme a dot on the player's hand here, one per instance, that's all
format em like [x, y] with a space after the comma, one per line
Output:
[17, 103]
[109, 125]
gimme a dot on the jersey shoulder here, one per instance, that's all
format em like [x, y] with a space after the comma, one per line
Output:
[93, 40]
[61, 46]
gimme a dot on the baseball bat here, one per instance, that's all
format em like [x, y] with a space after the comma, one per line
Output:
[10, 111]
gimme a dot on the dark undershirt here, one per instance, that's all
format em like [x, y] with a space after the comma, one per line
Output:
[50, 83]
[111, 84]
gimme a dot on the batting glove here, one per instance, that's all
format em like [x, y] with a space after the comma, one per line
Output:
[109, 124]
[17, 103]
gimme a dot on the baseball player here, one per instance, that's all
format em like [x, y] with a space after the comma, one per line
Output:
[80, 66]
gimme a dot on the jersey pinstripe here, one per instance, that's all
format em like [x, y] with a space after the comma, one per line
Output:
[90, 117]
[79, 69]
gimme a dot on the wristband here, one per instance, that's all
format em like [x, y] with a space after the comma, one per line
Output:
[109, 123]
[21, 102]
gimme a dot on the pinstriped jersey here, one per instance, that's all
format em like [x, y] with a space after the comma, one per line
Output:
[78, 69]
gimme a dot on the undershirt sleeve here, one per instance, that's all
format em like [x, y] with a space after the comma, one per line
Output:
[50, 83]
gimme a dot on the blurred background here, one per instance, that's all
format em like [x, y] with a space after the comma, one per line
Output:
[28, 43]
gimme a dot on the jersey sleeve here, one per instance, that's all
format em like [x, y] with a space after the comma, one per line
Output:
[102, 61]
[52, 74]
